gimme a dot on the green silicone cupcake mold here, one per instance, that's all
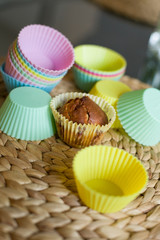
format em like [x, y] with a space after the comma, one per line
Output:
[26, 114]
[139, 114]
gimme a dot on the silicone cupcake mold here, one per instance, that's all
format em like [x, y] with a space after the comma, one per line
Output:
[99, 60]
[94, 63]
[108, 178]
[110, 90]
[12, 83]
[139, 113]
[46, 49]
[26, 114]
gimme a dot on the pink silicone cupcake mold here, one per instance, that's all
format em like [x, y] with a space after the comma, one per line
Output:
[29, 74]
[46, 49]
[12, 71]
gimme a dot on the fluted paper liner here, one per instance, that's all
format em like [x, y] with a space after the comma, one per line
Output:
[139, 113]
[80, 135]
[26, 114]
[110, 90]
[108, 178]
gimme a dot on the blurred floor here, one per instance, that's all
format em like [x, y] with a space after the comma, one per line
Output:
[82, 22]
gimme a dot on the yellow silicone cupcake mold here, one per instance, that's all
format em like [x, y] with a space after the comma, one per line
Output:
[110, 91]
[108, 178]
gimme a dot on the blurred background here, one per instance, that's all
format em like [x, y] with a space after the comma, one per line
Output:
[82, 22]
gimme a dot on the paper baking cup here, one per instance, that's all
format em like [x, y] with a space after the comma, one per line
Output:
[46, 49]
[12, 83]
[108, 178]
[32, 71]
[80, 135]
[26, 114]
[110, 90]
[139, 113]
[98, 59]
[83, 81]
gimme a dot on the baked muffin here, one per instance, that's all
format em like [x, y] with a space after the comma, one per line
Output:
[79, 118]
[83, 110]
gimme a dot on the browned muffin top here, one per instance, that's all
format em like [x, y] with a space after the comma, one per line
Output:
[83, 110]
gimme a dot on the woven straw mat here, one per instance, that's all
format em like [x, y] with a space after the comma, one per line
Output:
[38, 196]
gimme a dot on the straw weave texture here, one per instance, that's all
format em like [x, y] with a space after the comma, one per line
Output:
[38, 196]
